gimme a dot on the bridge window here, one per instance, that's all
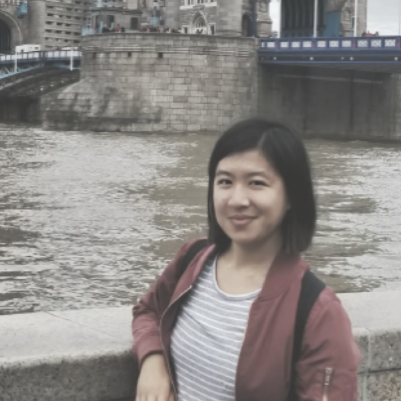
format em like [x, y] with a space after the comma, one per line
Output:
[246, 26]
[199, 24]
[134, 24]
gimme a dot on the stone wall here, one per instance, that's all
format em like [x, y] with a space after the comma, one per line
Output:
[332, 103]
[229, 17]
[158, 83]
[85, 355]
[172, 11]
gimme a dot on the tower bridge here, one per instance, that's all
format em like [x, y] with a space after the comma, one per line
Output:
[317, 73]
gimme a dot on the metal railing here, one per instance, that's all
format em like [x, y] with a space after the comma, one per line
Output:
[40, 56]
[331, 44]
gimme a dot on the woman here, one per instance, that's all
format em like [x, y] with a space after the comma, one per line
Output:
[223, 328]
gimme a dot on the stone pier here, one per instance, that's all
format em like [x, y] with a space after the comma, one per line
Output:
[158, 83]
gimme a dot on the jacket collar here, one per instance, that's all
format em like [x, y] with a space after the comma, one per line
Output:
[284, 270]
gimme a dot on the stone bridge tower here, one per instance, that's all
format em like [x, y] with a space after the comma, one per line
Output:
[335, 18]
[17, 28]
[12, 30]
[220, 17]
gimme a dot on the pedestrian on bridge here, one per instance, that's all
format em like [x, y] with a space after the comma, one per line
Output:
[239, 315]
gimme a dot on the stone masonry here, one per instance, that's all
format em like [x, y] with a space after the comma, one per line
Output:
[158, 83]
[86, 355]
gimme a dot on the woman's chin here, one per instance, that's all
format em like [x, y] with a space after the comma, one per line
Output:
[243, 240]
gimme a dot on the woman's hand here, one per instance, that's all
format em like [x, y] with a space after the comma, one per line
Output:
[154, 381]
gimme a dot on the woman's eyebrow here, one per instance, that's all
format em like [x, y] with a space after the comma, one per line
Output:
[262, 173]
[223, 172]
[250, 174]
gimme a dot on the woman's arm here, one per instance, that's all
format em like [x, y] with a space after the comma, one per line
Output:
[147, 313]
[328, 368]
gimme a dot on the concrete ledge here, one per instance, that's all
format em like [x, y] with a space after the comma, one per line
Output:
[74, 355]
[85, 354]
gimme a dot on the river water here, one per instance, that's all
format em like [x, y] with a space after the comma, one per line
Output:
[87, 220]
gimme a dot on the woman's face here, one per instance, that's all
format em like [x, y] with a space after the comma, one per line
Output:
[249, 198]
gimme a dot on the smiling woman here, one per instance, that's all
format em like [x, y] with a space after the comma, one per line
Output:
[204, 329]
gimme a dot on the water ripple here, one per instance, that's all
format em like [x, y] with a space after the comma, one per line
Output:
[89, 219]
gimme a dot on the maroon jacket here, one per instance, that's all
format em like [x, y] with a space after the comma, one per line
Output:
[327, 370]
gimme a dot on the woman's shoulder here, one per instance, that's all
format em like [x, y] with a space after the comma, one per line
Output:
[186, 246]
[328, 308]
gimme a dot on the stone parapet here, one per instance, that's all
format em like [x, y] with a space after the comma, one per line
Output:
[158, 83]
[85, 354]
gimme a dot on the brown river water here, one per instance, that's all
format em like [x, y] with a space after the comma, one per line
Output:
[87, 219]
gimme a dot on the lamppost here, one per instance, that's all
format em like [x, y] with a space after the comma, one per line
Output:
[280, 18]
[15, 60]
[71, 58]
[356, 11]
[315, 18]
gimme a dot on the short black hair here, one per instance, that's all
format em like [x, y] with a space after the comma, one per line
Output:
[285, 151]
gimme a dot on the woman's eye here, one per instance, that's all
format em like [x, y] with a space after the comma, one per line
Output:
[223, 181]
[256, 182]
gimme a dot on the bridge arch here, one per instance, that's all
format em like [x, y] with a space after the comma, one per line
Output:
[10, 32]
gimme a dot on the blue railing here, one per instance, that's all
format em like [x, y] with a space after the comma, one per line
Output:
[330, 44]
[29, 57]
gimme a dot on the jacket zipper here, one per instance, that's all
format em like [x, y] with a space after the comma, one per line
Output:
[166, 357]
[327, 379]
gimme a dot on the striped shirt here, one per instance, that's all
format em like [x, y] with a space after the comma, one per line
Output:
[207, 340]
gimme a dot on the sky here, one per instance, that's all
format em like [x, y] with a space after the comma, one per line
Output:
[383, 16]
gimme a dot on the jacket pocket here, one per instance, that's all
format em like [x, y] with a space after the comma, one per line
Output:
[337, 384]
[328, 372]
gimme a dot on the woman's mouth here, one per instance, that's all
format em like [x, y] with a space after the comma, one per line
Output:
[241, 220]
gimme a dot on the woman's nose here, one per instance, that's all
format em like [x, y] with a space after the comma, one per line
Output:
[238, 197]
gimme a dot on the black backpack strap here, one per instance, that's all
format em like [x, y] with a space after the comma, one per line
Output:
[310, 290]
[193, 250]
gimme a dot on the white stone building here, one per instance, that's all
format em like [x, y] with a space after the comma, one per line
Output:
[218, 17]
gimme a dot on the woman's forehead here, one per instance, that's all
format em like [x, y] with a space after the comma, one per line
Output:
[252, 160]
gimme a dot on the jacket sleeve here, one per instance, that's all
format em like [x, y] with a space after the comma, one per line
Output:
[328, 367]
[148, 312]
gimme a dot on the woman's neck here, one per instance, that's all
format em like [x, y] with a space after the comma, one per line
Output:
[255, 256]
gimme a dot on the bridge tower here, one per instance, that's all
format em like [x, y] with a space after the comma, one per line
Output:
[336, 18]
[220, 17]
[12, 29]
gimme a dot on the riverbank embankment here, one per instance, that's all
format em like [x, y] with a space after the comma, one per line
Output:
[85, 354]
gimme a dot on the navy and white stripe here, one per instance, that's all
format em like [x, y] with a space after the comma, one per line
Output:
[207, 340]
